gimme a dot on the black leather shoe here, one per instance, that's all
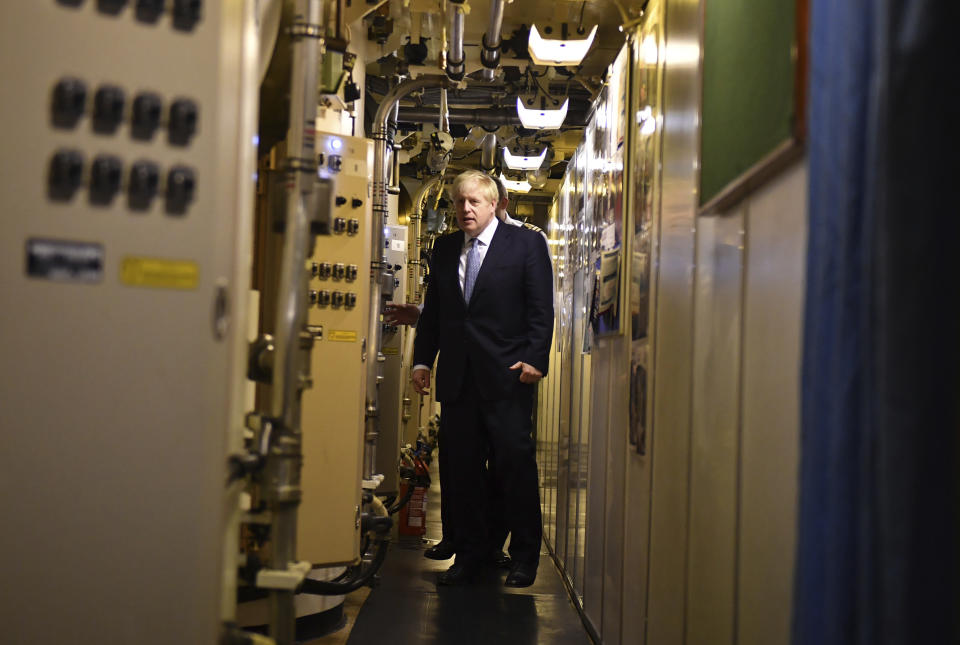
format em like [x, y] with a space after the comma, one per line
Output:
[499, 559]
[442, 550]
[457, 574]
[521, 575]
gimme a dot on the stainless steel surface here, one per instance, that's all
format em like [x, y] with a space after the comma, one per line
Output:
[680, 47]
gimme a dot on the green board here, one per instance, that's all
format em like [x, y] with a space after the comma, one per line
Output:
[748, 87]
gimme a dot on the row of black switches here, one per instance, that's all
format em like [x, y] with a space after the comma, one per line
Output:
[186, 13]
[69, 105]
[106, 179]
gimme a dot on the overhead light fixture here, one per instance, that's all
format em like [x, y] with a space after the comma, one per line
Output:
[523, 163]
[515, 186]
[542, 119]
[558, 52]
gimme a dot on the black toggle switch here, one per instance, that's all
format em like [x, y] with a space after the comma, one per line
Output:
[356, 203]
[107, 109]
[186, 14]
[105, 175]
[66, 174]
[183, 121]
[144, 183]
[69, 102]
[181, 186]
[112, 7]
[149, 10]
[341, 200]
[147, 110]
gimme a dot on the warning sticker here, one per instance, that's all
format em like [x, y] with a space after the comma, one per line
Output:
[159, 273]
[342, 336]
[391, 351]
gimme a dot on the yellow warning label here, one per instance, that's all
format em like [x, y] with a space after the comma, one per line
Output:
[391, 351]
[342, 336]
[159, 273]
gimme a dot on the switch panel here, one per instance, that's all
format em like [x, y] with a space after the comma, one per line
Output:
[333, 410]
[134, 321]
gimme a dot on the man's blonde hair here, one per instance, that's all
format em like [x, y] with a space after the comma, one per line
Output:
[486, 183]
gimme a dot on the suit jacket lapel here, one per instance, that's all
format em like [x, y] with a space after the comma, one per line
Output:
[499, 248]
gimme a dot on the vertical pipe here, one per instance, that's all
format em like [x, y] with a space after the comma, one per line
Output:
[282, 473]
[488, 152]
[455, 62]
[490, 54]
[383, 147]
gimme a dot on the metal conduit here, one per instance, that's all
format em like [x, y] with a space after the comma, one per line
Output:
[283, 463]
[487, 117]
[455, 60]
[490, 54]
[383, 148]
[488, 152]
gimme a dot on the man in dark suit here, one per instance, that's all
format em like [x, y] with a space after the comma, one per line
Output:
[489, 313]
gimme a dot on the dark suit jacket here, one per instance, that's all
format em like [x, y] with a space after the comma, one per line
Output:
[509, 318]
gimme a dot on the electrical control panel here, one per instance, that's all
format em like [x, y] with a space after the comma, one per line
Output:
[395, 371]
[338, 318]
[124, 274]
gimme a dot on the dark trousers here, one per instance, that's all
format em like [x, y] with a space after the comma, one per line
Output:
[470, 430]
[497, 529]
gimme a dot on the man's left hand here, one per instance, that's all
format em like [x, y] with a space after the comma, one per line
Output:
[528, 373]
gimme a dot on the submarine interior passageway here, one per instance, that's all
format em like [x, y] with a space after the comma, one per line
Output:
[218, 222]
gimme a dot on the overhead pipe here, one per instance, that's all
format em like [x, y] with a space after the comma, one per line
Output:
[282, 470]
[455, 59]
[488, 152]
[490, 54]
[486, 117]
[383, 132]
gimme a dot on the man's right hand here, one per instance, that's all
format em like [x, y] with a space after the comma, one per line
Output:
[421, 381]
[401, 314]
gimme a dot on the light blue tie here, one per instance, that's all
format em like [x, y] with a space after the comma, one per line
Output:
[473, 268]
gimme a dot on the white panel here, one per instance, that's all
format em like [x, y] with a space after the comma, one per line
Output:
[714, 450]
[773, 317]
[116, 395]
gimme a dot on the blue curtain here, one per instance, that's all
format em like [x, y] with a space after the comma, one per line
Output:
[878, 539]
